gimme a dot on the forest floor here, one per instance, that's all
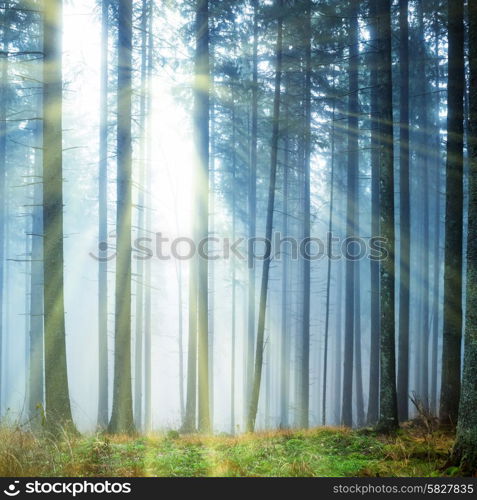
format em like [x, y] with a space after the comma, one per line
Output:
[412, 452]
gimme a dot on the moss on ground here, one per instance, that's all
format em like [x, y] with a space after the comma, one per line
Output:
[317, 452]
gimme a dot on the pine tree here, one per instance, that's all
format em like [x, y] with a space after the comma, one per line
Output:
[351, 212]
[140, 271]
[304, 394]
[36, 383]
[252, 209]
[465, 448]
[56, 375]
[373, 396]
[201, 131]
[388, 419]
[147, 271]
[122, 415]
[404, 251]
[257, 374]
[3, 173]
[103, 395]
[452, 336]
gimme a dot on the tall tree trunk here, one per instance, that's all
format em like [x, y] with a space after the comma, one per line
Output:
[189, 422]
[423, 154]
[257, 376]
[304, 393]
[252, 216]
[285, 333]
[147, 271]
[452, 331]
[436, 282]
[373, 397]
[56, 375]
[234, 271]
[103, 389]
[233, 355]
[212, 187]
[351, 210]
[268, 385]
[338, 347]
[357, 349]
[27, 295]
[122, 420]
[36, 364]
[181, 343]
[405, 222]
[7, 296]
[201, 123]
[437, 237]
[3, 174]
[139, 338]
[388, 418]
[358, 370]
[465, 448]
[329, 250]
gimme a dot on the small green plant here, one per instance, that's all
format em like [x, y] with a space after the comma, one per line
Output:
[172, 434]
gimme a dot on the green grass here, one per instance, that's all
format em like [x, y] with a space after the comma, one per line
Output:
[316, 452]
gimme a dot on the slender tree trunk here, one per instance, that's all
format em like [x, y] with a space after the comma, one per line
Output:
[437, 237]
[373, 397]
[452, 332]
[212, 187]
[147, 271]
[304, 394]
[201, 123]
[27, 295]
[338, 346]
[7, 297]
[268, 384]
[351, 210]
[357, 350]
[139, 338]
[181, 344]
[234, 271]
[435, 300]
[3, 174]
[252, 209]
[103, 389]
[329, 250]
[285, 333]
[233, 355]
[122, 420]
[257, 376]
[465, 448]
[189, 423]
[423, 155]
[388, 418]
[358, 370]
[56, 375]
[405, 216]
[36, 364]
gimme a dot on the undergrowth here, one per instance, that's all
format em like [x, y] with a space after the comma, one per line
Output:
[413, 451]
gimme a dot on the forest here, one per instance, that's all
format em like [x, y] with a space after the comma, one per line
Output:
[238, 238]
